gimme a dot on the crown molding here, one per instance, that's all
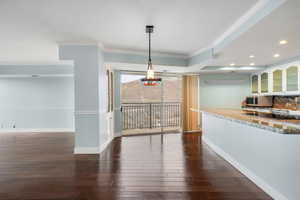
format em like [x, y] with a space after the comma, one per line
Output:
[82, 43]
[194, 69]
[145, 53]
[37, 75]
[158, 68]
[38, 63]
[143, 67]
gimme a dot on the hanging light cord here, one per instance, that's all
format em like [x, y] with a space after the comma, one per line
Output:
[149, 47]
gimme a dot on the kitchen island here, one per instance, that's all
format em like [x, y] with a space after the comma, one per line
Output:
[265, 149]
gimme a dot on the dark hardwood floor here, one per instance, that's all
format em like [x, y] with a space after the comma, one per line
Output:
[41, 166]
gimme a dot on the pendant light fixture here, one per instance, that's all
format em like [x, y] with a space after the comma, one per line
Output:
[150, 80]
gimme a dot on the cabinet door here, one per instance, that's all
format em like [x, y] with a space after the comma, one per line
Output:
[277, 80]
[264, 82]
[292, 78]
[254, 82]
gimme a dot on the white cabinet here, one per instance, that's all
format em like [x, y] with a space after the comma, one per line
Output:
[264, 82]
[292, 79]
[279, 80]
[254, 84]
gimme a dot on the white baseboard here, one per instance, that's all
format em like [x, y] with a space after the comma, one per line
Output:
[248, 173]
[92, 150]
[41, 130]
[105, 145]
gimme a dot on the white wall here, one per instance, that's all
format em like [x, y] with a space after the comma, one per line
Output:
[223, 90]
[90, 96]
[270, 159]
[37, 103]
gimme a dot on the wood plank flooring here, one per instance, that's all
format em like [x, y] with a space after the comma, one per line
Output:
[41, 166]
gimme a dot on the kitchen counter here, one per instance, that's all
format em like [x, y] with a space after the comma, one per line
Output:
[283, 126]
[263, 148]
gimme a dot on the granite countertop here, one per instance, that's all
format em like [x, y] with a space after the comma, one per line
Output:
[267, 122]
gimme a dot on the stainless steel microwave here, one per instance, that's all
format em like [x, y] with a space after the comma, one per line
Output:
[251, 100]
[263, 101]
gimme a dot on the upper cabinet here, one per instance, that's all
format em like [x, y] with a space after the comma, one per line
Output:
[292, 78]
[254, 82]
[264, 82]
[277, 80]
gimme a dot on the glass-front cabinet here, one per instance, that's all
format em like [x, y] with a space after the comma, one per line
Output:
[264, 82]
[292, 78]
[254, 82]
[277, 80]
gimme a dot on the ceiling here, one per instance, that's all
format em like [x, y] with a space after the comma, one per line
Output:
[32, 29]
[262, 40]
[181, 26]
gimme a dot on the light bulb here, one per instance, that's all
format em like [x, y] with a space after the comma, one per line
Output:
[150, 74]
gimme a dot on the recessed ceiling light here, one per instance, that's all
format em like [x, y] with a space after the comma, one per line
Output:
[232, 64]
[276, 55]
[252, 64]
[283, 42]
[251, 56]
